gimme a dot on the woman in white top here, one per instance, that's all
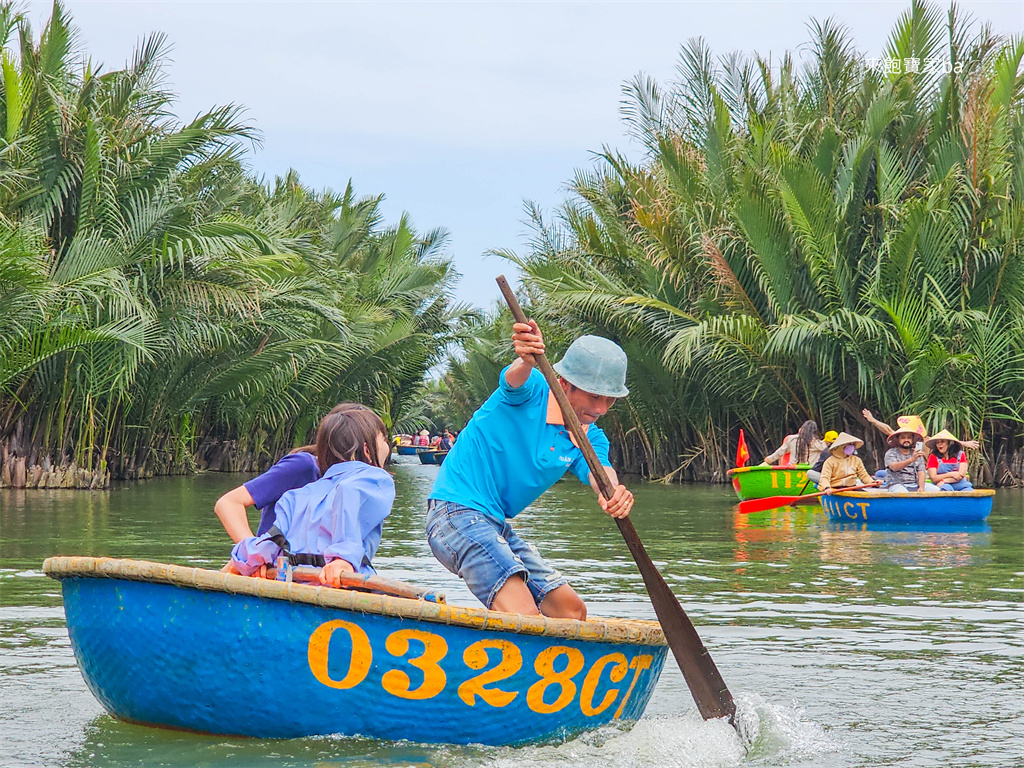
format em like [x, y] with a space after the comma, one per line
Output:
[801, 448]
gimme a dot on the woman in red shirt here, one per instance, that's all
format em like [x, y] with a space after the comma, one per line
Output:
[947, 464]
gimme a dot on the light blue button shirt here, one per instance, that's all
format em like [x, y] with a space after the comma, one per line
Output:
[341, 515]
[509, 454]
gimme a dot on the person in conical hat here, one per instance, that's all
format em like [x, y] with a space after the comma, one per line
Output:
[904, 461]
[886, 430]
[843, 468]
[516, 447]
[947, 463]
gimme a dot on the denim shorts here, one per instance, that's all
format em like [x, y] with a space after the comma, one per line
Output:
[485, 552]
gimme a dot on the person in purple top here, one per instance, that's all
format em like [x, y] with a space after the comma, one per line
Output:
[294, 470]
[336, 522]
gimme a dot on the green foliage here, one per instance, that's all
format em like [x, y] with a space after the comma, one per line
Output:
[155, 298]
[803, 243]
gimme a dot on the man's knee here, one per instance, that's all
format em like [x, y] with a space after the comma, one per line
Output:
[514, 597]
[564, 603]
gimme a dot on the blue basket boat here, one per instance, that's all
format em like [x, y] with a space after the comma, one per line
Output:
[410, 450]
[217, 653]
[433, 457]
[940, 507]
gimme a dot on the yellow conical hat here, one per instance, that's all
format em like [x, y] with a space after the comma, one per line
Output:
[943, 435]
[911, 424]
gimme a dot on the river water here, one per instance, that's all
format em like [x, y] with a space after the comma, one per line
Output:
[842, 646]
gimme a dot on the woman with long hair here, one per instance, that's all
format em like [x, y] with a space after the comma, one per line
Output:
[801, 448]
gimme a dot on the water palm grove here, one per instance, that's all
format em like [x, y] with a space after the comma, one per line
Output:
[804, 242]
[794, 241]
[160, 308]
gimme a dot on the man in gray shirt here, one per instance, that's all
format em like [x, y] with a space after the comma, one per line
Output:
[904, 461]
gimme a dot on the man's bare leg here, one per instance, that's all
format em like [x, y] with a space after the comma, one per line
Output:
[515, 597]
[563, 603]
[560, 603]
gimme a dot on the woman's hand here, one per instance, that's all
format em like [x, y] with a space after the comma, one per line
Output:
[527, 340]
[330, 574]
[619, 504]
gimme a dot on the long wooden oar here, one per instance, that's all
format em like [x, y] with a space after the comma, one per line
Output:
[311, 575]
[701, 675]
[771, 502]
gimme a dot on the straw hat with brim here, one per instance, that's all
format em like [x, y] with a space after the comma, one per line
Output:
[842, 441]
[943, 435]
[595, 365]
[911, 425]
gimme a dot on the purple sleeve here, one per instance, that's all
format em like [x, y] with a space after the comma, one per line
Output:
[293, 471]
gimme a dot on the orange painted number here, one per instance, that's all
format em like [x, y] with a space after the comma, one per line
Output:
[545, 667]
[639, 664]
[593, 678]
[398, 683]
[476, 657]
[319, 647]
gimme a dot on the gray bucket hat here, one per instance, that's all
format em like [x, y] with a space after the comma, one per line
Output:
[595, 365]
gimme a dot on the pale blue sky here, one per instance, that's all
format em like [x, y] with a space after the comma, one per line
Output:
[456, 111]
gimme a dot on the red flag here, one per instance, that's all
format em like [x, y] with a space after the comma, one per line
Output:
[742, 454]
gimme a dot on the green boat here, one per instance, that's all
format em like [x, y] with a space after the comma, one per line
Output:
[761, 482]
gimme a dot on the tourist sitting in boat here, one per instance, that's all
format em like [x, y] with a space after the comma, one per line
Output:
[446, 441]
[814, 473]
[843, 468]
[422, 439]
[886, 430]
[514, 448]
[947, 463]
[801, 448]
[904, 461]
[336, 522]
[294, 470]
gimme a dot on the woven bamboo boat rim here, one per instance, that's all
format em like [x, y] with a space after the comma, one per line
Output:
[769, 468]
[911, 495]
[634, 632]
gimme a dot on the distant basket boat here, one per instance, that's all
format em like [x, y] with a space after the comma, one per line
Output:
[939, 507]
[217, 653]
[411, 450]
[761, 482]
[432, 457]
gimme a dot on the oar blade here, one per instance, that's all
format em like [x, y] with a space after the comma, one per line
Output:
[699, 671]
[771, 502]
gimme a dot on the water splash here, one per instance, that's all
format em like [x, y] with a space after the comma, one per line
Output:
[765, 734]
[779, 735]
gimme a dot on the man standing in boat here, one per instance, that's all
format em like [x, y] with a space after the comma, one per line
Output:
[515, 448]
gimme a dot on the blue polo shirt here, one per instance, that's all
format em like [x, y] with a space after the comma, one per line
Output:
[511, 452]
